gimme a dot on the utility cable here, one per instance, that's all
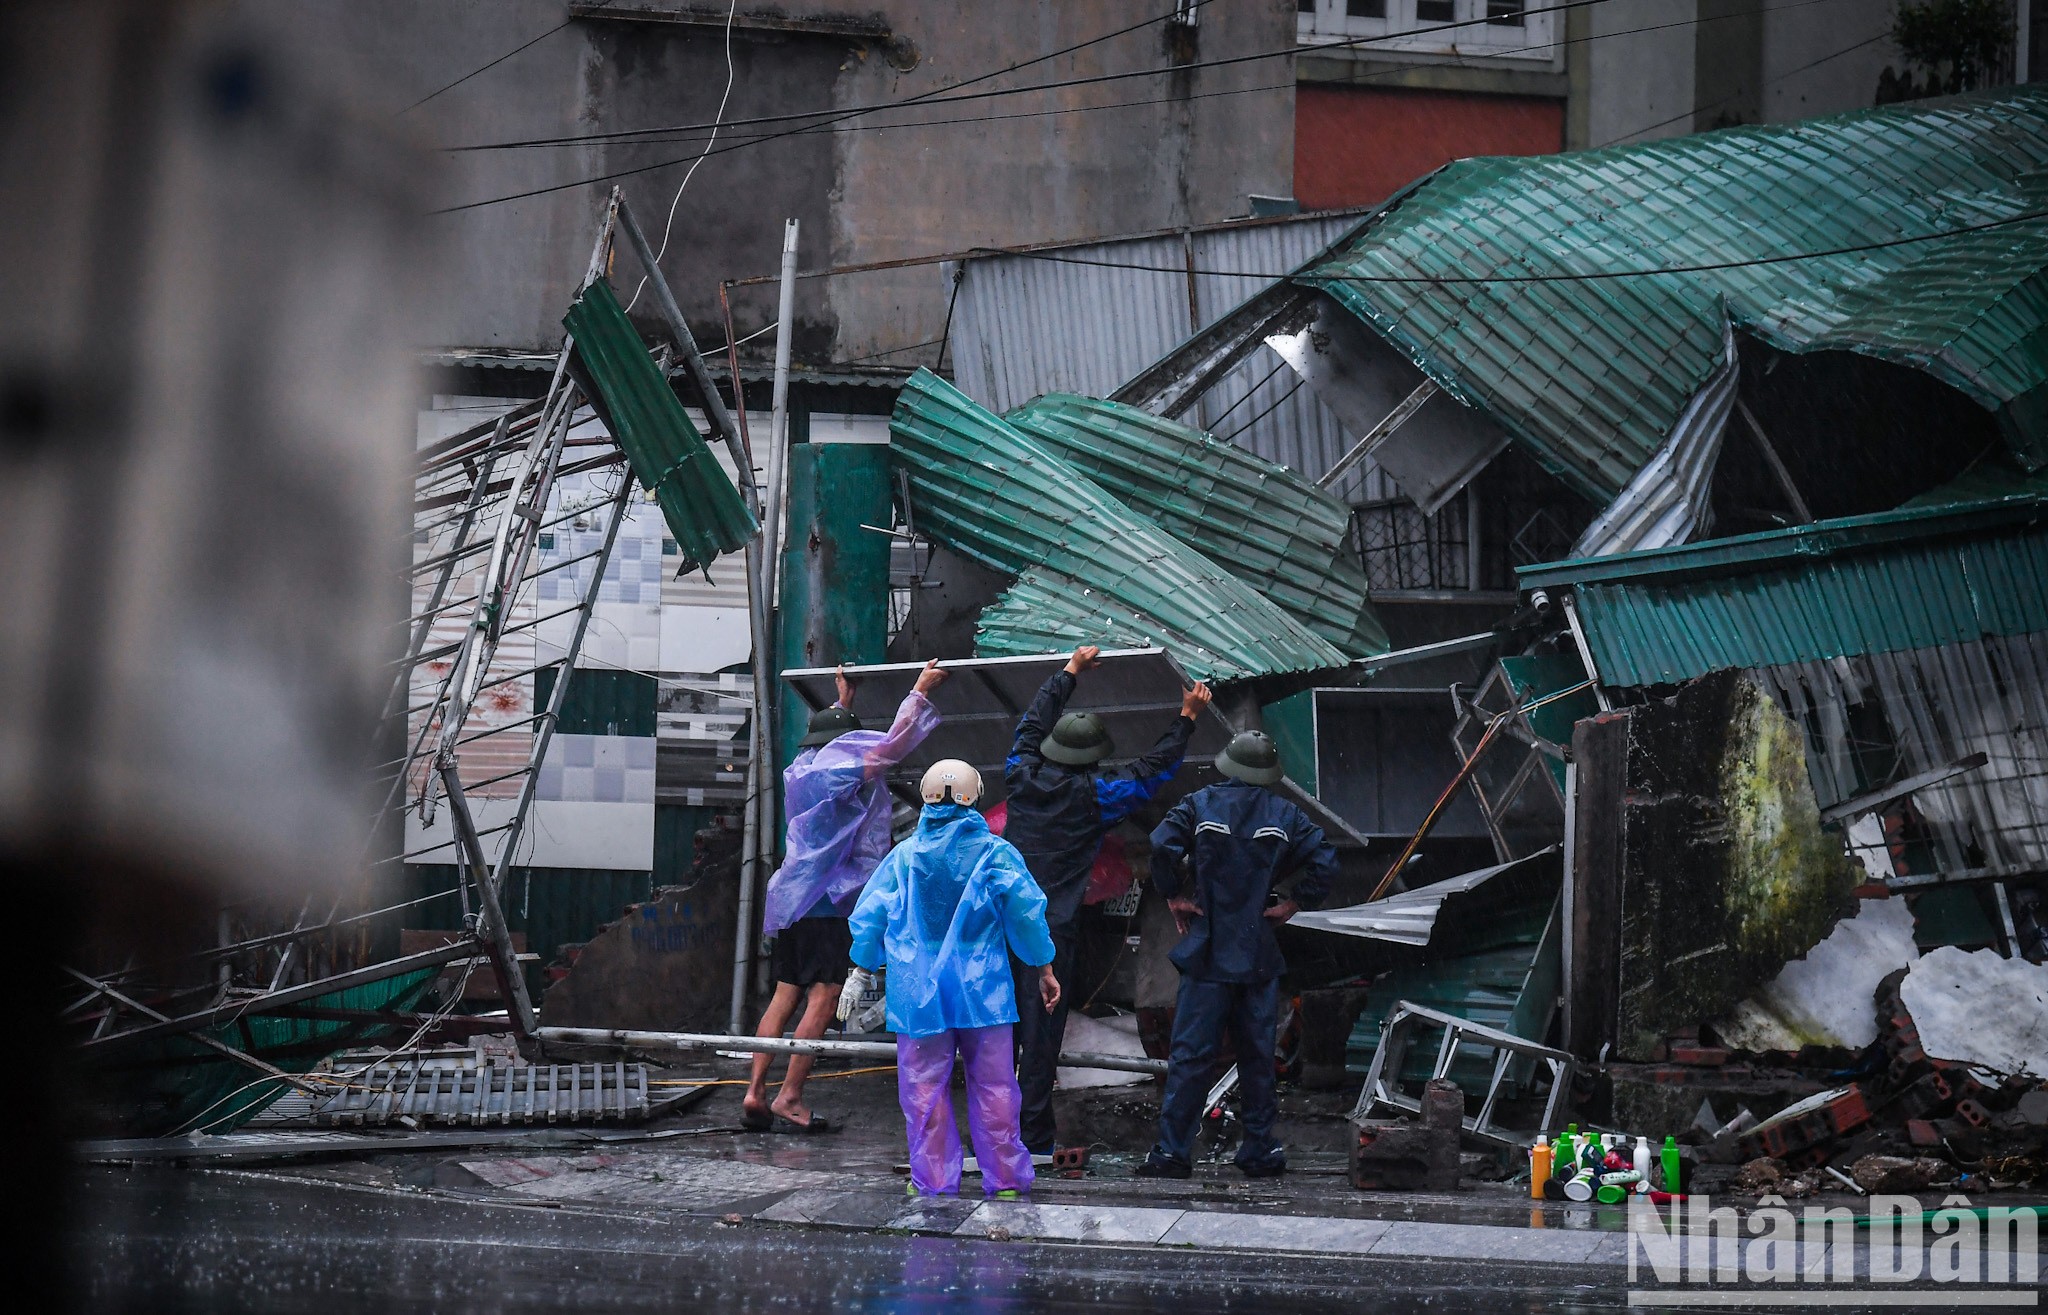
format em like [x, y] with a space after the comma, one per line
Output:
[670, 223]
[928, 97]
[485, 69]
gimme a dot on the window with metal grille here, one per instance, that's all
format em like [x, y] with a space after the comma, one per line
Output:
[1516, 30]
[1403, 549]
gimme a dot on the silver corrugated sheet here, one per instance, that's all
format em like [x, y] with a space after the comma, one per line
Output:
[1939, 704]
[1028, 324]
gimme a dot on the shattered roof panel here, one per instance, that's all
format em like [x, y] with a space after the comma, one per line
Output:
[989, 491]
[704, 511]
[1590, 374]
[1905, 579]
[1260, 521]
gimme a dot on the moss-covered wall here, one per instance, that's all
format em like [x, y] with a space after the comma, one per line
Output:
[1726, 873]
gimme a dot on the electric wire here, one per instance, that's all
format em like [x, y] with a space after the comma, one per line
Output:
[486, 68]
[928, 97]
[669, 224]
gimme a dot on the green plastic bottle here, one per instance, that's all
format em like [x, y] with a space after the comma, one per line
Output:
[1567, 1150]
[1669, 1160]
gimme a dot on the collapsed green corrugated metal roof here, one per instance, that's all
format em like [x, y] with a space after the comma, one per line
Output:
[704, 511]
[1590, 374]
[1255, 518]
[1911, 578]
[993, 493]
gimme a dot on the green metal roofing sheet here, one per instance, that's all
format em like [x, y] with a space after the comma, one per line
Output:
[704, 511]
[1094, 570]
[1911, 578]
[1255, 518]
[1590, 374]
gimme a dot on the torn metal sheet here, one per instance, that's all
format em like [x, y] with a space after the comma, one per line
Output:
[1433, 454]
[1475, 273]
[1666, 503]
[1980, 1009]
[704, 511]
[991, 492]
[1262, 522]
[1824, 997]
[1135, 692]
[1410, 918]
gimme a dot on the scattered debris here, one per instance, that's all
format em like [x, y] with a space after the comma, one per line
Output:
[1897, 1174]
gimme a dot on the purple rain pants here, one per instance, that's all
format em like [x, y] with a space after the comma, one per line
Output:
[924, 1074]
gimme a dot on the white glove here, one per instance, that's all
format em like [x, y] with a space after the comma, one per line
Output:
[858, 983]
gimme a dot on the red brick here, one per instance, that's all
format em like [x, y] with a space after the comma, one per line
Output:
[1699, 1056]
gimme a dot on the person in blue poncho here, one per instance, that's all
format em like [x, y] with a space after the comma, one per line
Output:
[944, 913]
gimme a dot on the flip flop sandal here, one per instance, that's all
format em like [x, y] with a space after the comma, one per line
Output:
[755, 1122]
[817, 1127]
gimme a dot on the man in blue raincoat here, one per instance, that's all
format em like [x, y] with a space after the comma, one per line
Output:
[1218, 858]
[838, 831]
[1061, 804]
[945, 912]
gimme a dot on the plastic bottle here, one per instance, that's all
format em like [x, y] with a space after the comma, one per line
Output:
[1581, 1186]
[1539, 1166]
[1669, 1155]
[1610, 1194]
[1642, 1158]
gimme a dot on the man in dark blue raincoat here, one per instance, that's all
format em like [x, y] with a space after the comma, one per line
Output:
[1060, 807]
[1218, 858]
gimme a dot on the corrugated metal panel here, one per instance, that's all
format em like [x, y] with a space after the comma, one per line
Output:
[988, 491]
[704, 511]
[1591, 375]
[1866, 584]
[1043, 322]
[1410, 917]
[552, 906]
[1261, 522]
[1937, 705]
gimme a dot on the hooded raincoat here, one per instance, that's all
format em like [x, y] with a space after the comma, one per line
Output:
[945, 911]
[839, 816]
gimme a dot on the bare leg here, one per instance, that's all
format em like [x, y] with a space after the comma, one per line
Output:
[818, 1014]
[776, 1017]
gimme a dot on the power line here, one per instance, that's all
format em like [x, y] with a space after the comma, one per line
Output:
[1590, 276]
[485, 69]
[1810, 64]
[1287, 52]
[668, 225]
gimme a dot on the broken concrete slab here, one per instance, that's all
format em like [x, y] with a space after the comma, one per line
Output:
[1824, 998]
[1980, 1009]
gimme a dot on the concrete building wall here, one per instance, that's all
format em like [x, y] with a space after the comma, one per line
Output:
[1146, 152]
[1662, 68]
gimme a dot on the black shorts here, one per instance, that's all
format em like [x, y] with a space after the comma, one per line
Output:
[813, 950]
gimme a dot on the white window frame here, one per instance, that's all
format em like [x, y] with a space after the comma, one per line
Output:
[1531, 44]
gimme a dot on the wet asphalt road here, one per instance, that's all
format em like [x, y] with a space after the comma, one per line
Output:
[178, 1240]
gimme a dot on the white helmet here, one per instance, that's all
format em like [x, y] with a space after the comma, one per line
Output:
[950, 781]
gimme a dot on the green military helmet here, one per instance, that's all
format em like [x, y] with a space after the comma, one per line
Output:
[1079, 740]
[827, 725]
[1251, 756]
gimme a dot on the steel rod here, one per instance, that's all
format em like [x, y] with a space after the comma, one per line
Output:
[690, 1041]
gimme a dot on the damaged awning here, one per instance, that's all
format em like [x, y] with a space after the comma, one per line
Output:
[1412, 917]
[1510, 282]
[1268, 526]
[984, 488]
[1136, 693]
[1906, 579]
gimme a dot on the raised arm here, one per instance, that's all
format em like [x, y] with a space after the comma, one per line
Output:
[1120, 796]
[915, 719]
[1039, 719]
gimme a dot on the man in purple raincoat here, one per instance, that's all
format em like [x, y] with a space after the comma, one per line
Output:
[838, 834]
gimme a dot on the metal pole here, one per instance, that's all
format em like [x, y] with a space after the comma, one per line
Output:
[758, 849]
[689, 1041]
[693, 360]
[497, 931]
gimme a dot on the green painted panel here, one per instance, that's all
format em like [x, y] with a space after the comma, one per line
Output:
[1591, 374]
[704, 511]
[1292, 724]
[553, 906]
[835, 574]
[599, 701]
[675, 840]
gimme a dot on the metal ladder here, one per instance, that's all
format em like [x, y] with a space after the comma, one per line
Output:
[1382, 1081]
